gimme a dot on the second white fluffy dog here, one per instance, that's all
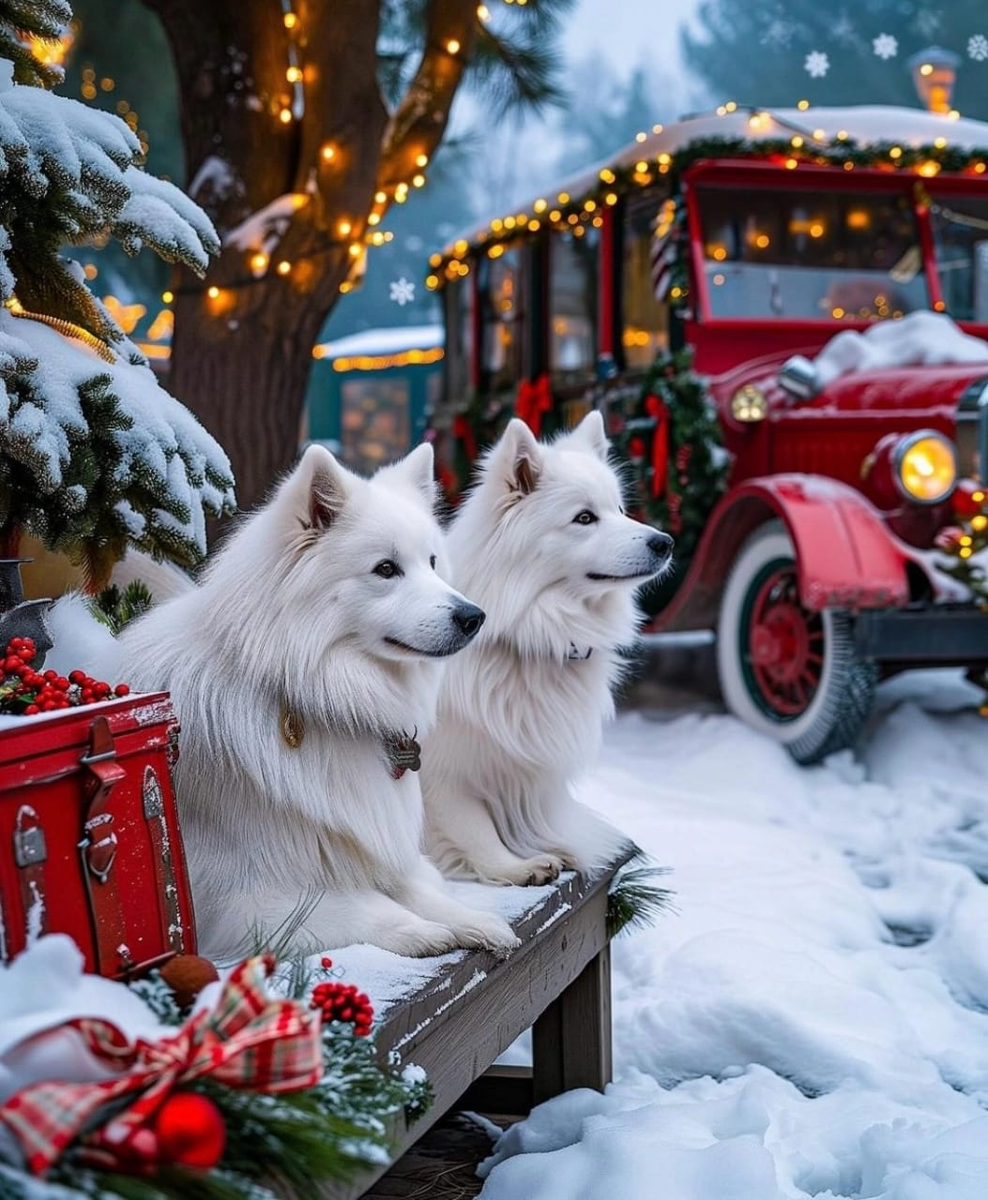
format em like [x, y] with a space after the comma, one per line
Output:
[544, 546]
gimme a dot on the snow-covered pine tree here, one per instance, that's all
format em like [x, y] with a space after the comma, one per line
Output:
[94, 454]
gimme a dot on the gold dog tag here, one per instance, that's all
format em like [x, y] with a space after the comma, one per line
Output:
[292, 727]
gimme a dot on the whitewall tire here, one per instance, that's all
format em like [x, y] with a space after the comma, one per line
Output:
[788, 672]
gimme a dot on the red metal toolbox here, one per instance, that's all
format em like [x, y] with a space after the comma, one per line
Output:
[89, 837]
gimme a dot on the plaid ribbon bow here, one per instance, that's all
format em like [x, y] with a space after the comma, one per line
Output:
[249, 1040]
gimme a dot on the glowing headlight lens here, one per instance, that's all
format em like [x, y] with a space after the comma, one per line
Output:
[925, 467]
[748, 404]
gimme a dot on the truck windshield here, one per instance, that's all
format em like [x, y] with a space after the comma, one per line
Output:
[804, 255]
[960, 234]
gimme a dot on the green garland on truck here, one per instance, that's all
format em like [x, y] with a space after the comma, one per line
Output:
[668, 434]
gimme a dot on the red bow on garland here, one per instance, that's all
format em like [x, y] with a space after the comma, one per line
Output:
[657, 409]
[534, 400]
[249, 1040]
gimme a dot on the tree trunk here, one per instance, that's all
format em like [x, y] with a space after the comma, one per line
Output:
[247, 382]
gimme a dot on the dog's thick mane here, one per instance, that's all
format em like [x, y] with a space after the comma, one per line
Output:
[494, 564]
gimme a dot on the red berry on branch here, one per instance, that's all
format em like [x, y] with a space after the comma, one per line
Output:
[325, 962]
[31, 710]
[122, 689]
[78, 677]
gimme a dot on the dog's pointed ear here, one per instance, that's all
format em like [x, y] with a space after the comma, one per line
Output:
[417, 468]
[517, 459]
[317, 488]
[590, 435]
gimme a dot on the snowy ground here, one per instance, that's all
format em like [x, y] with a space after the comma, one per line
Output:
[814, 1021]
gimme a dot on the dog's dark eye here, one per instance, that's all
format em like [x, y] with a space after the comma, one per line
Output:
[432, 562]
[387, 569]
[585, 518]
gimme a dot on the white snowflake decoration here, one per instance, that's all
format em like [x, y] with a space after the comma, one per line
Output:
[885, 46]
[817, 64]
[403, 291]
[977, 47]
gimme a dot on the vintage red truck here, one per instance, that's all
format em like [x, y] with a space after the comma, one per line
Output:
[755, 237]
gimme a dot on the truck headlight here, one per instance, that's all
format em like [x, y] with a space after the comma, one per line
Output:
[925, 467]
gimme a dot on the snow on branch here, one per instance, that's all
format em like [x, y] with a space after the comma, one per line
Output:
[95, 455]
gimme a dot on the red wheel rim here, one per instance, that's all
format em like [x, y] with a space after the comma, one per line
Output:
[785, 650]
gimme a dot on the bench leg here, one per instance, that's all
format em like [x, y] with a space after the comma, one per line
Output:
[571, 1041]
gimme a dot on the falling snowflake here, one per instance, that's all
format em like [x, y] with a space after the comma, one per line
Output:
[402, 291]
[885, 46]
[778, 33]
[927, 23]
[817, 64]
[977, 47]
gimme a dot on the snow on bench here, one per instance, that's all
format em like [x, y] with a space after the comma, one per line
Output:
[453, 1016]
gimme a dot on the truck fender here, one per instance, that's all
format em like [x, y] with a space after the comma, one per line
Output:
[846, 556]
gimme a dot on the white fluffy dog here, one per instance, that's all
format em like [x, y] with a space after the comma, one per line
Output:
[543, 544]
[302, 669]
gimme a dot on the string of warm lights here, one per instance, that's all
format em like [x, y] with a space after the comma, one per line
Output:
[805, 147]
[381, 362]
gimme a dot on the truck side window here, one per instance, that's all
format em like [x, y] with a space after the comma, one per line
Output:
[503, 299]
[573, 276]
[644, 320]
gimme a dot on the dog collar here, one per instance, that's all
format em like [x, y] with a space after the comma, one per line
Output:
[577, 654]
[403, 751]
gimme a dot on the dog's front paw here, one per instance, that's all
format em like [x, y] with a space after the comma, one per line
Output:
[420, 939]
[527, 872]
[485, 931]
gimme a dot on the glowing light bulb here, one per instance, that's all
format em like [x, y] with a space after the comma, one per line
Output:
[294, 74]
[344, 228]
[258, 262]
[167, 297]
[285, 116]
[421, 160]
[212, 292]
[452, 46]
[291, 20]
[283, 267]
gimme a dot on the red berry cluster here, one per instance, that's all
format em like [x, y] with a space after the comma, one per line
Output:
[342, 1002]
[28, 691]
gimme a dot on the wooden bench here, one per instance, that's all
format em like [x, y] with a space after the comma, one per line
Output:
[557, 983]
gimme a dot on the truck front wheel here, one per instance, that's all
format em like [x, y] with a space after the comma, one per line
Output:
[785, 670]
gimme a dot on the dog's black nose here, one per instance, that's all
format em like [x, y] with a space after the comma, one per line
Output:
[661, 544]
[468, 619]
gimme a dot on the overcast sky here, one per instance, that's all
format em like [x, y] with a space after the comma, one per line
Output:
[629, 32]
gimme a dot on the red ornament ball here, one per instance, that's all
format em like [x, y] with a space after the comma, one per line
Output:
[636, 448]
[190, 1131]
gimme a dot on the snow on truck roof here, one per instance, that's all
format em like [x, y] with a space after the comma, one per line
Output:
[863, 126]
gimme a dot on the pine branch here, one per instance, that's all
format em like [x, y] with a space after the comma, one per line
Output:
[419, 122]
[634, 901]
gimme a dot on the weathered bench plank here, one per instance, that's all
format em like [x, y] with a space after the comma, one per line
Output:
[455, 1025]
